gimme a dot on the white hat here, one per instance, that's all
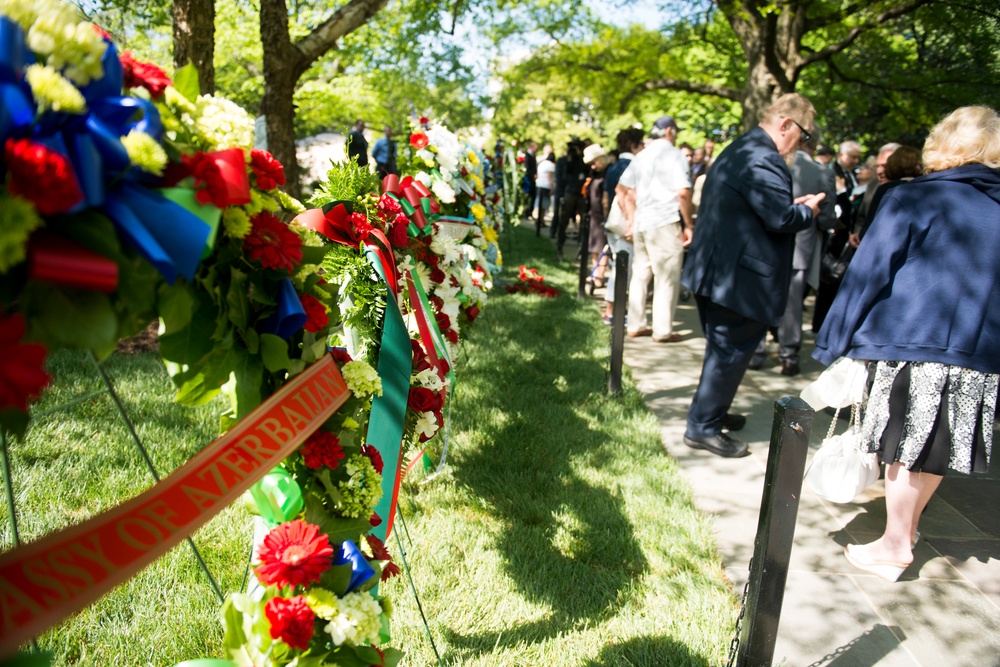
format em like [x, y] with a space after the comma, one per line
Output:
[592, 152]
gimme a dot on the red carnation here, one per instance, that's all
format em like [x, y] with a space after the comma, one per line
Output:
[388, 207]
[424, 120]
[322, 448]
[292, 554]
[268, 171]
[22, 374]
[374, 457]
[361, 226]
[42, 176]
[398, 231]
[272, 243]
[437, 303]
[423, 399]
[316, 316]
[292, 621]
[419, 140]
[443, 321]
[452, 336]
[145, 75]
[438, 276]
[375, 520]
[472, 312]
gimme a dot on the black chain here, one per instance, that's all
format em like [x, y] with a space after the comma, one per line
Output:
[734, 644]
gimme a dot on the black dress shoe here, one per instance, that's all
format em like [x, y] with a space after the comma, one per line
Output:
[720, 445]
[755, 364]
[790, 368]
[732, 422]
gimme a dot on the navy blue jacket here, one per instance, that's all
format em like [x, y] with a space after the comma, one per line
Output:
[925, 282]
[741, 254]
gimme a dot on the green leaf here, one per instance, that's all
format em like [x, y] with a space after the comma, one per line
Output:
[337, 579]
[14, 423]
[202, 381]
[313, 254]
[392, 656]
[369, 654]
[339, 529]
[248, 376]
[252, 340]
[233, 637]
[238, 306]
[190, 343]
[274, 351]
[68, 318]
[186, 82]
[176, 305]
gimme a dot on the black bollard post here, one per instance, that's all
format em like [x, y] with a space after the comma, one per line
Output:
[779, 507]
[618, 322]
[581, 288]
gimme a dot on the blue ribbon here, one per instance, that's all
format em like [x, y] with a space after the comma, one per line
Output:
[168, 236]
[17, 108]
[109, 85]
[291, 316]
[361, 571]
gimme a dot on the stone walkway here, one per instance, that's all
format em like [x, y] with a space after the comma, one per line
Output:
[946, 608]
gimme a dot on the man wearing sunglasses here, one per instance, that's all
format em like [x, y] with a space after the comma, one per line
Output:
[740, 262]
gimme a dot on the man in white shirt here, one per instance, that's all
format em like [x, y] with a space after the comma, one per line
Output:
[658, 210]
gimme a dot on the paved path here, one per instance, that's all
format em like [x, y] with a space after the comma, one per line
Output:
[945, 611]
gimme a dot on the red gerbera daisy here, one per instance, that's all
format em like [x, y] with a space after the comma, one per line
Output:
[268, 171]
[316, 316]
[292, 621]
[272, 243]
[419, 140]
[22, 374]
[42, 176]
[322, 448]
[374, 457]
[294, 553]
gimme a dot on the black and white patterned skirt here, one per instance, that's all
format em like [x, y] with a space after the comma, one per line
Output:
[929, 416]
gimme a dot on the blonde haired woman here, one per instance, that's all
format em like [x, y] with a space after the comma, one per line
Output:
[921, 302]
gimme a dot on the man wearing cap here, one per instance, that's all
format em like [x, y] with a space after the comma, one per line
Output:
[740, 263]
[658, 211]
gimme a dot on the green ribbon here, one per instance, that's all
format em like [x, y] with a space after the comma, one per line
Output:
[439, 341]
[385, 426]
[211, 215]
[278, 497]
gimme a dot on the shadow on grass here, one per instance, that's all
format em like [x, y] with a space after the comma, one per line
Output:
[566, 543]
[647, 652]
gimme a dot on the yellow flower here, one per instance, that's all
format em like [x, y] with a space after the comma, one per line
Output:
[473, 158]
[478, 182]
[478, 211]
[54, 91]
[490, 234]
[18, 218]
[144, 152]
[235, 222]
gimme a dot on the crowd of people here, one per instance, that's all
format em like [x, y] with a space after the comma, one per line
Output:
[900, 251]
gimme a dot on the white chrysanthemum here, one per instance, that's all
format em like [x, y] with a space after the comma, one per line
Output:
[427, 424]
[223, 124]
[54, 91]
[444, 192]
[446, 249]
[423, 177]
[425, 155]
[423, 272]
[449, 150]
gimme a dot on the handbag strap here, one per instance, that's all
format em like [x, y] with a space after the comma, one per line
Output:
[833, 424]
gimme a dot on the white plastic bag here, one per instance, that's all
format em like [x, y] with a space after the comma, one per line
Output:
[840, 385]
[840, 470]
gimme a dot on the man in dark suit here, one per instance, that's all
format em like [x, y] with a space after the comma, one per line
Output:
[357, 145]
[808, 177]
[530, 176]
[740, 262]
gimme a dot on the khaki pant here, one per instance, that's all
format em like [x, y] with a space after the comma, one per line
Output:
[659, 254]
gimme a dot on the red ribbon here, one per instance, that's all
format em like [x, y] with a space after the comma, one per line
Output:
[232, 166]
[422, 325]
[413, 191]
[58, 260]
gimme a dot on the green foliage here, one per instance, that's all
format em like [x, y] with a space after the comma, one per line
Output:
[345, 182]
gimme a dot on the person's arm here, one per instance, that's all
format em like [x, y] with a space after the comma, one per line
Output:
[687, 221]
[626, 197]
[768, 190]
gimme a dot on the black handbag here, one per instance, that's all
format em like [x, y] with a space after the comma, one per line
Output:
[833, 265]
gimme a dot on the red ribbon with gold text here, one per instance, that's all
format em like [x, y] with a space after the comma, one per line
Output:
[43, 582]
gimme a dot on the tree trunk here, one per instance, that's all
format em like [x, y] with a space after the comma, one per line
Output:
[280, 76]
[194, 39]
[285, 62]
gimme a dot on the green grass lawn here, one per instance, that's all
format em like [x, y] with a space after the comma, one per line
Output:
[561, 534]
